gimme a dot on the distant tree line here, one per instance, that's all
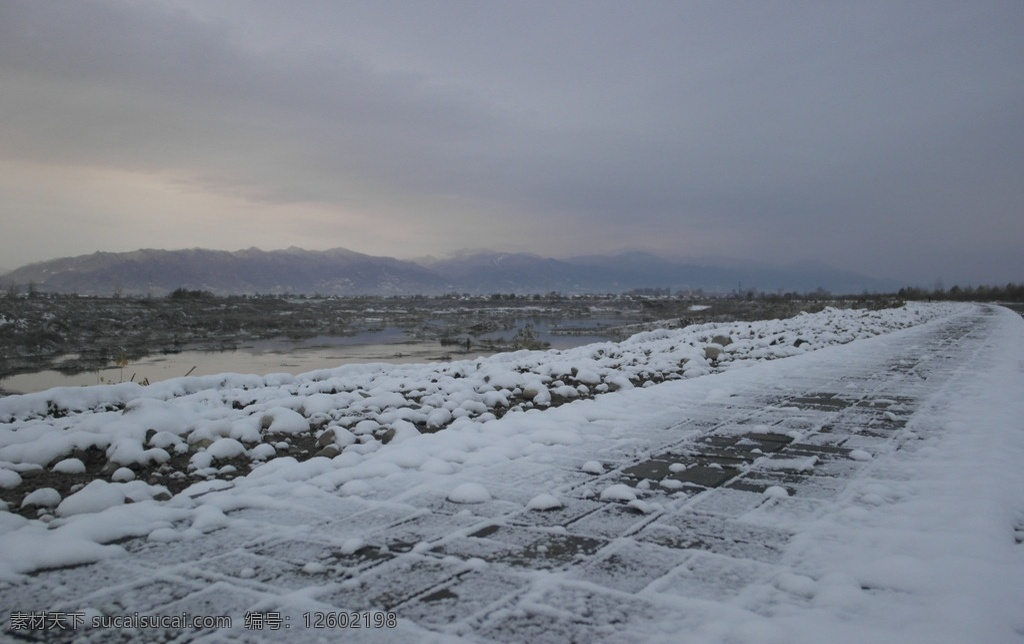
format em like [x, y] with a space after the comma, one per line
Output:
[1009, 293]
[185, 294]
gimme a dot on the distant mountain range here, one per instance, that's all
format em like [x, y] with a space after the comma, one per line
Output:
[344, 272]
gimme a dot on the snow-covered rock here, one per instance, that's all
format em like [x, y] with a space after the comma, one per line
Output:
[618, 492]
[544, 502]
[69, 466]
[45, 497]
[94, 497]
[281, 420]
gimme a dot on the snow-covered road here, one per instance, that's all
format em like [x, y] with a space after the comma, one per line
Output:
[866, 491]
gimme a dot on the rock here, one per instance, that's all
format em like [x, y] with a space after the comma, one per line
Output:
[722, 340]
[711, 352]
[198, 443]
[325, 439]
[343, 438]
[318, 423]
[400, 431]
[110, 468]
[329, 451]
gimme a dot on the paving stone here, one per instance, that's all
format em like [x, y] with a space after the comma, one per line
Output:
[809, 449]
[158, 554]
[403, 536]
[610, 522]
[709, 576]
[438, 503]
[355, 562]
[245, 569]
[630, 567]
[766, 442]
[782, 512]
[720, 535]
[566, 613]
[462, 599]
[819, 400]
[466, 548]
[555, 551]
[146, 596]
[654, 470]
[705, 475]
[728, 502]
[377, 590]
[297, 552]
[299, 516]
[572, 510]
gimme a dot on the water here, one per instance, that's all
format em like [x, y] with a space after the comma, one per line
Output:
[390, 345]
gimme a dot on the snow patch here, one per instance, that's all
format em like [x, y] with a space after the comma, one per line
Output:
[469, 493]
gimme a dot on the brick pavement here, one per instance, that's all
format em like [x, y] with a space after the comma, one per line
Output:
[711, 523]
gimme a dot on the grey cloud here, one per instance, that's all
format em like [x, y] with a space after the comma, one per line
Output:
[152, 89]
[843, 123]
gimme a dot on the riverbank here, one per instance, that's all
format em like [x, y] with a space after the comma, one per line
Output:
[68, 334]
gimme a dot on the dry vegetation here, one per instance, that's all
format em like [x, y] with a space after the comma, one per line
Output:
[76, 334]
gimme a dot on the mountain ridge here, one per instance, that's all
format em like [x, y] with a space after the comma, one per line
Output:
[340, 271]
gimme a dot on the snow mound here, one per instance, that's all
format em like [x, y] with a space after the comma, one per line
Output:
[94, 497]
[619, 492]
[45, 497]
[544, 502]
[593, 467]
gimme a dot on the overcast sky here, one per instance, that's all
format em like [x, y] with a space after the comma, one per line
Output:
[884, 137]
